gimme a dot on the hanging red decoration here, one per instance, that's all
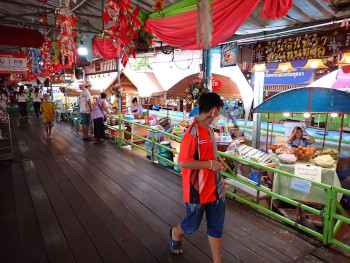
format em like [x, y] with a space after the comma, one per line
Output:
[46, 68]
[124, 32]
[65, 19]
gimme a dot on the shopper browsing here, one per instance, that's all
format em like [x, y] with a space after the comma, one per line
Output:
[86, 109]
[203, 185]
[296, 139]
[47, 109]
[98, 113]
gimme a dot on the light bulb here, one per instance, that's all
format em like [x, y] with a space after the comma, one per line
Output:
[347, 60]
[314, 64]
[82, 51]
[286, 114]
[259, 68]
[334, 115]
[307, 115]
[284, 68]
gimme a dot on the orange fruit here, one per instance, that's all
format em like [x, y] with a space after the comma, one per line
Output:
[300, 148]
[300, 152]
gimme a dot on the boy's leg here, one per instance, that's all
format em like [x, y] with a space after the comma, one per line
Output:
[177, 236]
[215, 215]
[50, 129]
[47, 130]
[215, 247]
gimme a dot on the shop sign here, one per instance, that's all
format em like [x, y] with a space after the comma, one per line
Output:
[327, 43]
[300, 185]
[228, 54]
[300, 76]
[308, 172]
[13, 64]
[216, 84]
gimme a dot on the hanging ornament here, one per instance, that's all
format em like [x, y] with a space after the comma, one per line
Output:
[158, 4]
[46, 68]
[65, 19]
[124, 32]
[34, 59]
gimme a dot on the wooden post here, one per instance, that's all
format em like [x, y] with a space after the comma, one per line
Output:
[267, 132]
[341, 132]
[325, 131]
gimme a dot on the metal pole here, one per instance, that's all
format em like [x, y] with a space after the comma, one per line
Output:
[267, 132]
[325, 131]
[273, 119]
[208, 67]
[119, 107]
[341, 132]
[258, 99]
[65, 94]
[148, 111]
[51, 92]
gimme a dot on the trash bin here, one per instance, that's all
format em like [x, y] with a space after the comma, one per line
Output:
[166, 154]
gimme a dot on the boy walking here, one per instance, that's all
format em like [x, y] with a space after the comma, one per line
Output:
[203, 186]
[48, 114]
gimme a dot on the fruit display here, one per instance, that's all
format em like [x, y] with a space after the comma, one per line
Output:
[287, 158]
[284, 150]
[304, 154]
[333, 153]
[325, 161]
[275, 146]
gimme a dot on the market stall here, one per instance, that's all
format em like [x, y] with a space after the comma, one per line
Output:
[309, 163]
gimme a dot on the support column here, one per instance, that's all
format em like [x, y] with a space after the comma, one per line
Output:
[208, 73]
[258, 99]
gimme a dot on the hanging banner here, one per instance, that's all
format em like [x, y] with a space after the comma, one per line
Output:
[12, 63]
[300, 76]
[228, 55]
[328, 43]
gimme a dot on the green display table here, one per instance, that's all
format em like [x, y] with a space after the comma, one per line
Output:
[317, 195]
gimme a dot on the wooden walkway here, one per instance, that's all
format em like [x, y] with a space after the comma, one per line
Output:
[66, 200]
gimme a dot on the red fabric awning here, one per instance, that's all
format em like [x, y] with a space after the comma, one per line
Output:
[21, 37]
[180, 31]
[106, 48]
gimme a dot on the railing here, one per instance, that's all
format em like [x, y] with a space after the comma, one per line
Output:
[331, 220]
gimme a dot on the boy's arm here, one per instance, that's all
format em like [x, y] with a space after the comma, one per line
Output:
[196, 165]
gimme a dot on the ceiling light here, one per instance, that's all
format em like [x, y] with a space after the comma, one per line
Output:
[334, 115]
[259, 68]
[307, 115]
[286, 114]
[314, 64]
[285, 67]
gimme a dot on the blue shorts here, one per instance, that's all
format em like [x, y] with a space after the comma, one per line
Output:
[214, 213]
[86, 119]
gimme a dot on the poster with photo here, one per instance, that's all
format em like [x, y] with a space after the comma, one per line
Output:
[229, 54]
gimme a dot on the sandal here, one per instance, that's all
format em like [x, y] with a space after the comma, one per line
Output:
[174, 245]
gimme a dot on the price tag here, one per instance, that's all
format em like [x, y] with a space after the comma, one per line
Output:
[300, 185]
[308, 172]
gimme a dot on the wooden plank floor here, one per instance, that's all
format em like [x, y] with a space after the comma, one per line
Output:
[66, 200]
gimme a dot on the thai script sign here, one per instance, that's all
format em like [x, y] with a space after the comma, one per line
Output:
[13, 63]
[316, 45]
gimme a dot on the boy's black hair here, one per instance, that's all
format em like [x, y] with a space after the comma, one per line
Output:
[207, 101]
[134, 100]
[103, 95]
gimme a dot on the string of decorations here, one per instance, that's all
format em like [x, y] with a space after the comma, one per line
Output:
[124, 31]
[65, 19]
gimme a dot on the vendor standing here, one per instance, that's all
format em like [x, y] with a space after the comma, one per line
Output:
[296, 139]
[136, 109]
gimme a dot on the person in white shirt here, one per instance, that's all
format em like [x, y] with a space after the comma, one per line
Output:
[36, 98]
[3, 100]
[85, 110]
[22, 99]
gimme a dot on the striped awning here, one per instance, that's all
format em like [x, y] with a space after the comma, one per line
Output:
[280, 88]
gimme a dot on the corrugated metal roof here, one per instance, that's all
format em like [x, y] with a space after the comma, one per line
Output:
[90, 14]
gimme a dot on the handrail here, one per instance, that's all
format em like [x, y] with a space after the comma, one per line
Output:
[329, 214]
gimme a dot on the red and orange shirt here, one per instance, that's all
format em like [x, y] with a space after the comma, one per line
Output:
[204, 185]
